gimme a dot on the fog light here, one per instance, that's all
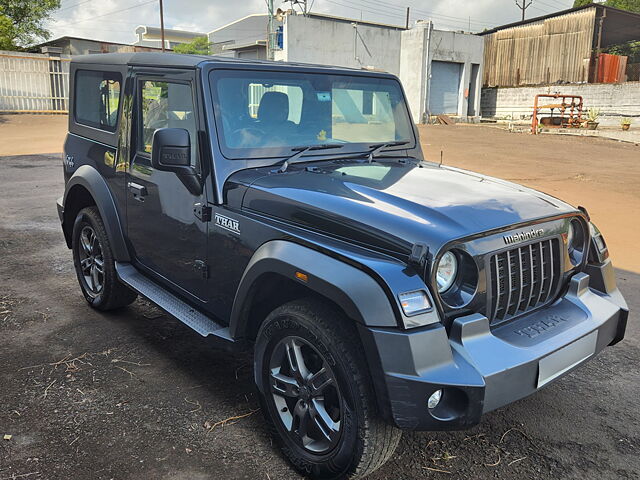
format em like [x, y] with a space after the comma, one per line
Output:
[434, 399]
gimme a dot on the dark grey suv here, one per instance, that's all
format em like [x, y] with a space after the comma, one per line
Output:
[287, 209]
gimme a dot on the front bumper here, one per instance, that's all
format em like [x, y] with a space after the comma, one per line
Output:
[480, 367]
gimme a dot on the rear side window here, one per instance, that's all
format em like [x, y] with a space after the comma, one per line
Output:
[97, 98]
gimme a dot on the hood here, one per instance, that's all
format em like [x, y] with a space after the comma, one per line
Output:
[394, 204]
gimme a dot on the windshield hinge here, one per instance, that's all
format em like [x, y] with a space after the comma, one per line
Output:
[202, 212]
[418, 254]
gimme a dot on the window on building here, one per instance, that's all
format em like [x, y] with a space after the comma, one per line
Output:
[166, 105]
[97, 99]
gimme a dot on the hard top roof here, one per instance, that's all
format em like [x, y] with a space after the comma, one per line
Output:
[158, 59]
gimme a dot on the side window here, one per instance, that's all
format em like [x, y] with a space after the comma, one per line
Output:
[97, 98]
[166, 105]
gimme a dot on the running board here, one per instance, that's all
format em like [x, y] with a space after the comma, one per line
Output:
[171, 304]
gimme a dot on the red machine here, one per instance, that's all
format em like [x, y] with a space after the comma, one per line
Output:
[569, 112]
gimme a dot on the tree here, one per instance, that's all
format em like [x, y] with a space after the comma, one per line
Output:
[629, 5]
[22, 22]
[6, 35]
[198, 46]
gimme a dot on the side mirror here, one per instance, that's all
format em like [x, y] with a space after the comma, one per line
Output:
[171, 152]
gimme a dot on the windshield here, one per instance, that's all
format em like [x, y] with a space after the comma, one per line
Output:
[266, 114]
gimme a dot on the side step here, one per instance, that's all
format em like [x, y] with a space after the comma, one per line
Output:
[171, 304]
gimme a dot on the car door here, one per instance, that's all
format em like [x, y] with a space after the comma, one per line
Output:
[168, 240]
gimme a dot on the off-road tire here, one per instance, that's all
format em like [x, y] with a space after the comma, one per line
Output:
[366, 441]
[113, 293]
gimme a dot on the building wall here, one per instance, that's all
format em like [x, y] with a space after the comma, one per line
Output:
[341, 43]
[614, 100]
[406, 53]
[244, 31]
[413, 69]
[554, 50]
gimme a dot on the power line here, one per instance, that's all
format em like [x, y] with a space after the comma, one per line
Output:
[110, 13]
[72, 6]
[464, 20]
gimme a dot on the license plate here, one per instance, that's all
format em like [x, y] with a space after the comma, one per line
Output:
[566, 358]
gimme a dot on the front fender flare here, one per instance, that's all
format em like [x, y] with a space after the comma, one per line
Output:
[353, 290]
[90, 179]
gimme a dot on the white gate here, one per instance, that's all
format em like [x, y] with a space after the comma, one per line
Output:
[33, 83]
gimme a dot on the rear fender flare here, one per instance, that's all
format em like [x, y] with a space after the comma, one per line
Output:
[89, 178]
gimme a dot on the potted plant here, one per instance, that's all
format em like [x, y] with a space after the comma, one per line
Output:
[625, 123]
[592, 118]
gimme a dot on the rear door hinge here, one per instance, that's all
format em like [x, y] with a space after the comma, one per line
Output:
[201, 267]
[202, 212]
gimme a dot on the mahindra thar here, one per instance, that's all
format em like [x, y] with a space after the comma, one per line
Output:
[286, 209]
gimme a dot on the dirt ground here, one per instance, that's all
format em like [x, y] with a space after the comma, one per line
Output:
[599, 174]
[135, 394]
[32, 134]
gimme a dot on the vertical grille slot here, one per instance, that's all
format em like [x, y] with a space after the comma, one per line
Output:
[523, 278]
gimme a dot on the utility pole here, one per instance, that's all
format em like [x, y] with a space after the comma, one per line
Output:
[162, 24]
[406, 25]
[523, 5]
[270, 32]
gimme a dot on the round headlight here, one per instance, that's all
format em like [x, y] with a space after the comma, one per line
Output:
[447, 270]
[575, 241]
[571, 233]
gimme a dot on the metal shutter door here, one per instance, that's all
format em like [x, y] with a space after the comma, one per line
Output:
[445, 88]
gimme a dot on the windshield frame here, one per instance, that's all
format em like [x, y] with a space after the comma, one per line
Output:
[255, 154]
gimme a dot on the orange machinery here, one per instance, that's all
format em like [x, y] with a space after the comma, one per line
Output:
[569, 112]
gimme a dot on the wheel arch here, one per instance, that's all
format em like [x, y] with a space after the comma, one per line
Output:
[85, 188]
[271, 275]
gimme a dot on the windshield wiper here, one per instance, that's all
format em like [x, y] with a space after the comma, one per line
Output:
[378, 147]
[301, 151]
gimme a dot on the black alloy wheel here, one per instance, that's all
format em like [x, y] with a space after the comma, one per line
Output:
[91, 260]
[306, 394]
[95, 265]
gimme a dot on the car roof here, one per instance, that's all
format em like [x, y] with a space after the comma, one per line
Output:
[158, 59]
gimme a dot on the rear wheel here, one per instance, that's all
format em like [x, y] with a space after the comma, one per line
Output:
[94, 263]
[316, 393]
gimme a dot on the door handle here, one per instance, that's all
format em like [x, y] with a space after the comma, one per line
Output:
[139, 191]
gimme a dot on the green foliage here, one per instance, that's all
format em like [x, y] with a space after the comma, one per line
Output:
[625, 121]
[22, 21]
[593, 114]
[6, 35]
[629, 5]
[198, 46]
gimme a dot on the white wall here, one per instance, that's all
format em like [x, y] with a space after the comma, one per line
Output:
[332, 42]
[406, 53]
[615, 100]
[413, 69]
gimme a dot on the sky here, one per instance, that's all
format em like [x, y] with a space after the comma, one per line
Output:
[116, 20]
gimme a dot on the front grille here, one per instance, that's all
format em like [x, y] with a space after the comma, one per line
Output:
[523, 278]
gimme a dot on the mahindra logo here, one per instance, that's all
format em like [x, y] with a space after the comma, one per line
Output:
[521, 237]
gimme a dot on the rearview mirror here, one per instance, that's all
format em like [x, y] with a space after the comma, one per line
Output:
[171, 150]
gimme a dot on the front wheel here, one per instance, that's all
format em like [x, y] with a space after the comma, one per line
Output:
[316, 392]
